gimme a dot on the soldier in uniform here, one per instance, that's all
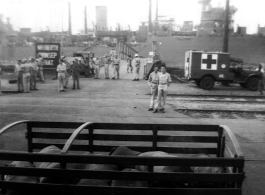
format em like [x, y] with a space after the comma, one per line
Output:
[61, 69]
[153, 82]
[75, 69]
[137, 63]
[19, 75]
[33, 74]
[164, 81]
[261, 71]
[106, 65]
[116, 67]
[26, 68]
[129, 64]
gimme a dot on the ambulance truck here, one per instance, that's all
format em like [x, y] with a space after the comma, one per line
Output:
[206, 68]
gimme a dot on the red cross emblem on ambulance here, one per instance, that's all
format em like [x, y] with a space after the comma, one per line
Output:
[209, 61]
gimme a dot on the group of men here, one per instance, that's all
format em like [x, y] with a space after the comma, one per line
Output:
[159, 82]
[27, 72]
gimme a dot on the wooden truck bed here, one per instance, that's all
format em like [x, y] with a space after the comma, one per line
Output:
[74, 138]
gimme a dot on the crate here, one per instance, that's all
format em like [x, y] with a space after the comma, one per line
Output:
[182, 140]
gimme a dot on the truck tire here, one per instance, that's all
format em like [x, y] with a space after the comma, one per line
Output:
[198, 83]
[207, 83]
[252, 83]
[243, 85]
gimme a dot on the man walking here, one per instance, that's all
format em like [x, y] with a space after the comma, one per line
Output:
[19, 75]
[75, 69]
[164, 81]
[106, 65]
[61, 69]
[153, 82]
[33, 74]
[97, 64]
[137, 63]
[116, 67]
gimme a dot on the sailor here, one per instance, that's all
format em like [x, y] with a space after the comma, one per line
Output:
[40, 64]
[26, 68]
[19, 75]
[75, 69]
[137, 63]
[116, 67]
[61, 69]
[153, 82]
[97, 64]
[164, 81]
[106, 65]
[129, 64]
[33, 74]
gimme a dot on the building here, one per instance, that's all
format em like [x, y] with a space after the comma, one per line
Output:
[142, 34]
[261, 31]
[101, 18]
[213, 19]
[187, 26]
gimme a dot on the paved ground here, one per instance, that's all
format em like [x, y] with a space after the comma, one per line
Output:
[126, 101]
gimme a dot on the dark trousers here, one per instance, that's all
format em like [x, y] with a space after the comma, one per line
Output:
[33, 79]
[20, 85]
[76, 79]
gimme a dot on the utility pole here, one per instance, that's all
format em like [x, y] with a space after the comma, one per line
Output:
[85, 21]
[156, 25]
[226, 27]
[69, 20]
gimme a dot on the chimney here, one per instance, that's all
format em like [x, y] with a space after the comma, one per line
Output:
[70, 24]
[85, 21]
[150, 16]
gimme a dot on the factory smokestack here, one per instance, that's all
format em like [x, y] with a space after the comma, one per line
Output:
[85, 21]
[70, 23]
[150, 16]
[156, 22]
[101, 17]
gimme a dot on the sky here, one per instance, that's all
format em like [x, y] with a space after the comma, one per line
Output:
[53, 14]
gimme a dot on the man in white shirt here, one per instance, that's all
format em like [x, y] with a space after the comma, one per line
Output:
[19, 75]
[164, 81]
[97, 64]
[137, 63]
[26, 68]
[61, 69]
[33, 74]
[153, 82]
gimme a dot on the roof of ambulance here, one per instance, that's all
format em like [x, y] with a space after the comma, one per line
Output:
[210, 52]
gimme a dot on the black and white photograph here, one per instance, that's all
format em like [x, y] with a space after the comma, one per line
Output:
[131, 97]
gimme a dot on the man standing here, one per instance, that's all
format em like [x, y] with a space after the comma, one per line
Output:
[137, 63]
[97, 64]
[26, 68]
[19, 75]
[106, 65]
[33, 74]
[40, 65]
[68, 73]
[75, 69]
[164, 80]
[61, 69]
[129, 64]
[153, 82]
[116, 67]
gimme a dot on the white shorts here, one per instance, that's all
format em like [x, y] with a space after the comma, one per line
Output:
[162, 87]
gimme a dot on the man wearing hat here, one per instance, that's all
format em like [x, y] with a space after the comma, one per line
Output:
[97, 64]
[40, 64]
[116, 67]
[75, 69]
[137, 63]
[26, 68]
[19, 75]
[153, 82]
[61, 69]
[33, 74]
[106, 65]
